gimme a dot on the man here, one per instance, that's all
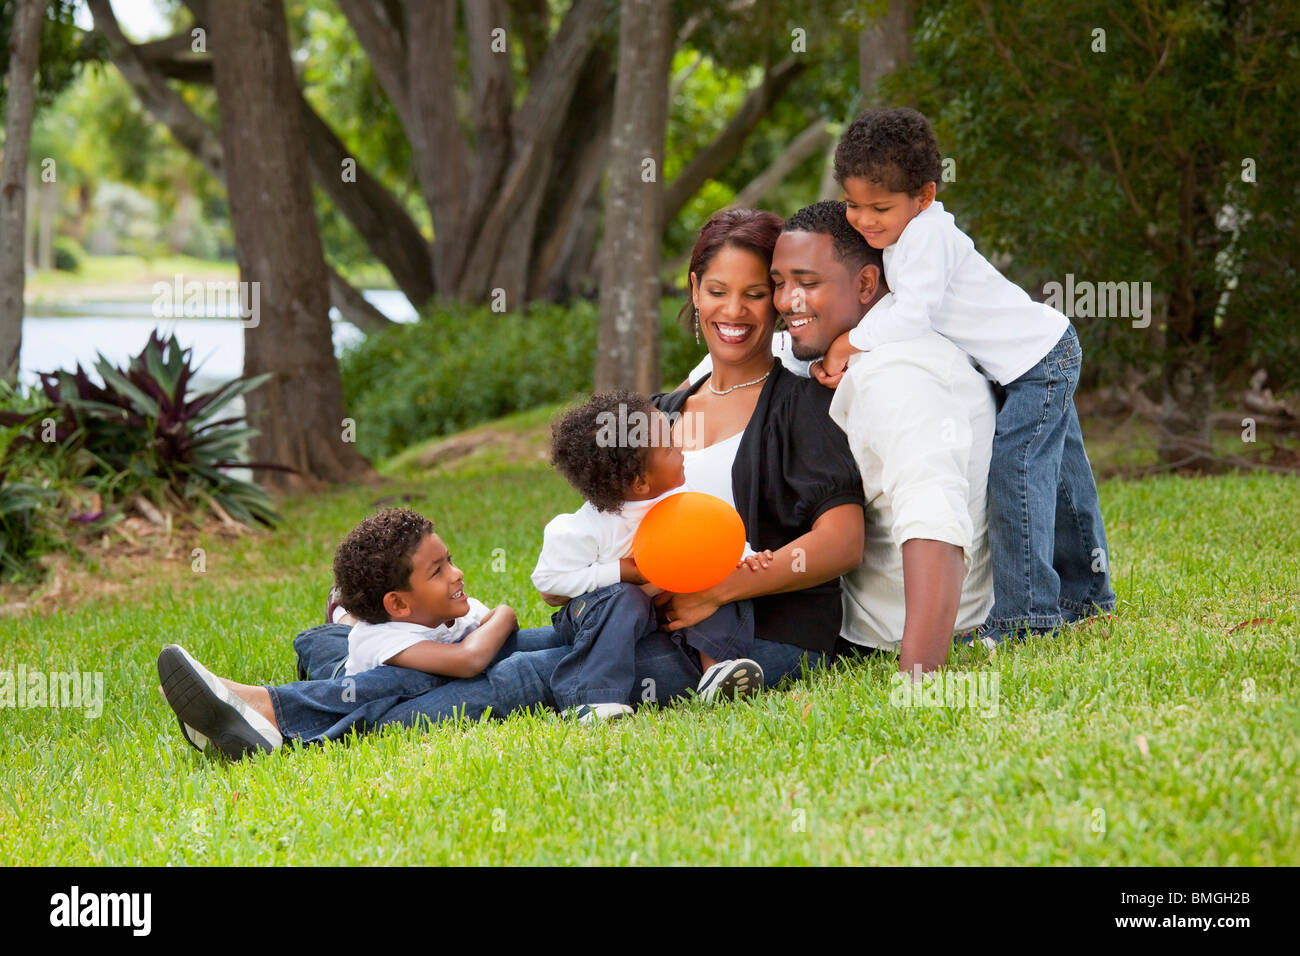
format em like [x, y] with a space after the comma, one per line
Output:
[920, 420]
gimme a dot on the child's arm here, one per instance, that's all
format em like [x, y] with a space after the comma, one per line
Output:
[570, 563]
[921, 267]
[468, 658]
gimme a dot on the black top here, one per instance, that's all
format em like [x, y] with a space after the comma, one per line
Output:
[792, 465]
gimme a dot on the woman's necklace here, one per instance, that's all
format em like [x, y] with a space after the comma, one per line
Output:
[741, 385]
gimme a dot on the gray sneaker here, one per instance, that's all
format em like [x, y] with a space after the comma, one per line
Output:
[206, 709]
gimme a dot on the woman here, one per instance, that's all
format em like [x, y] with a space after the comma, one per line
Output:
[754, 435]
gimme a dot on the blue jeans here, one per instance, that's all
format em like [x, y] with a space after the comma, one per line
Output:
[604, 628]
[318, 710]
[1047, 541]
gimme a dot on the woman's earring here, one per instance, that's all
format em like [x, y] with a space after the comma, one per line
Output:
[697, 326]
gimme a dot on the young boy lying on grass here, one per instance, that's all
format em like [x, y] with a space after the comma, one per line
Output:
[396, 576]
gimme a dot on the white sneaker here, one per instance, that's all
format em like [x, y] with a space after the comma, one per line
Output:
[738, 678]
[206, 709]
[594, 713]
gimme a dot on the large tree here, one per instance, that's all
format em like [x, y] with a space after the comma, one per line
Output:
[1126, 144]
[628, 343]
[299, 411]
[24, 50]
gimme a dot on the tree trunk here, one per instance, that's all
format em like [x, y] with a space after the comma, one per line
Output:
[884, 46]
[24, 51]
[534, 132]
[299, 411]
[627, 353]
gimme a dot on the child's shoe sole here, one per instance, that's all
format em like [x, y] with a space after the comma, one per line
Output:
[205, 707]
[738, 678]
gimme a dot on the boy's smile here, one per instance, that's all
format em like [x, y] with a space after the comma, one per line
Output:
[878, 214]
[437, 593]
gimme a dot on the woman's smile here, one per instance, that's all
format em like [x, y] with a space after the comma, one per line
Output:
[733, 333]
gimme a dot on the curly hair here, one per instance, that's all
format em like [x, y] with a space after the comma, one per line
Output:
[601, 470]
[827, 218]
[375, 558]
[894, 148]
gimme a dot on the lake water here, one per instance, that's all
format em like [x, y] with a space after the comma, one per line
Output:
[61, 336]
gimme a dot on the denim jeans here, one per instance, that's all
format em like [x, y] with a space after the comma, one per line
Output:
[604, 627]
[319, 710]
[323, 650]
[1047, 540]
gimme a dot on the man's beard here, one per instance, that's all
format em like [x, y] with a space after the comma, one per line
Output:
[805, 352]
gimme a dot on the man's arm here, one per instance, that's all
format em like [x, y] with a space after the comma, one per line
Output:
[933, 572]
[469, 657]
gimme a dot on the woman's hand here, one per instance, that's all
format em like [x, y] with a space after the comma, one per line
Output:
[686, 610]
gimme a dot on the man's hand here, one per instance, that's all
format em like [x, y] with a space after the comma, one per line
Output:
[554, 600]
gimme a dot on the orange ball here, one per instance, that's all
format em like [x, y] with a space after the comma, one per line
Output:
[688, 542]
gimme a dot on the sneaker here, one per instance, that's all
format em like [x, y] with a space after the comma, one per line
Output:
[331, 603]
[738, 678]
[206, 709]
[193, 737]
[595, 713]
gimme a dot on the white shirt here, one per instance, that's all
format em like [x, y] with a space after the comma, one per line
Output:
[782, 348]
[709, 469]
[919, 419]
[939, 282]
[370, 645]
[581, 551]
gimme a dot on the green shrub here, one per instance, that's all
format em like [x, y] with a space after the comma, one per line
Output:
[67, 254]
[459, 366]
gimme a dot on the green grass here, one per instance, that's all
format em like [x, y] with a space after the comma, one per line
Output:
[1163, 737]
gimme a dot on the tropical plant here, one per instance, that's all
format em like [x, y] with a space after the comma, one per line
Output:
[143, 431]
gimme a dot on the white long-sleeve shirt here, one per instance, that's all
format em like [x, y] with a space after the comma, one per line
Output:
[581, 551]
[920, 421]
[938, 281]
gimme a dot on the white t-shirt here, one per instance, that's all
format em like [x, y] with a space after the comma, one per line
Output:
[938, 281]
[370, 645]
[581, 551]
[920, 420]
